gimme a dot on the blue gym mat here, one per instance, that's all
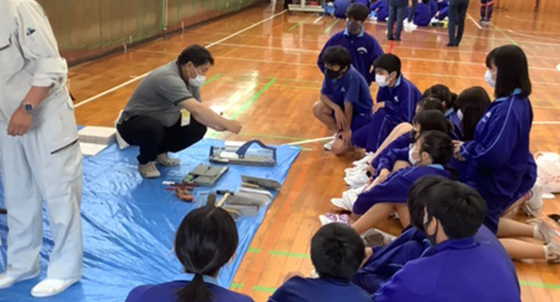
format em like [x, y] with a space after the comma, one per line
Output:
[129, 223]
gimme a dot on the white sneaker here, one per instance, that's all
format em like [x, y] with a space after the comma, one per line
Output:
[547, 227]
[366, 160]
[552, 252]
[533, 206]
[328, 146]
[346, 202]
[165, 160]
[149, 170]
[355, 169]
[51, 287]
[7, 281]
[356, 180]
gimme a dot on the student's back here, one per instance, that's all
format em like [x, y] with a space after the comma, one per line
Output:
[340, 7]
[299, 289]
[459, 270]
[422, 14]
[167, 292]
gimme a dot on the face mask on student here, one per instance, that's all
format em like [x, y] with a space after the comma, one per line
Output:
[488, 79]
[460, 114]
[381, 80]
[432, 237]
[411, 159]
[353, 27]
[331, 74]
[198, 80]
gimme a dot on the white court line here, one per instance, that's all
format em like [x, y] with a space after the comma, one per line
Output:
[532, 21]
[532, 36]
[546, 123]
[95, 97]
[558, 67]
[310, 141]
[317, 20]
[474, 21]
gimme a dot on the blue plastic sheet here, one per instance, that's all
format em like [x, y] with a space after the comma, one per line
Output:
[129, 223]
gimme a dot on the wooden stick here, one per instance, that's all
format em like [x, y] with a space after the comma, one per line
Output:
[223, 200]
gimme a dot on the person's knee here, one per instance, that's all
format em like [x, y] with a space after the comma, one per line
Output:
[319, 109]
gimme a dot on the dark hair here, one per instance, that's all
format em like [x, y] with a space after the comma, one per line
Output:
[337, 251]
[473, 103]
[459, 208]
[388, 62]
[196, 54]
[430, 103]
[357, 11]
[442, 93]
[425, 1]
[513, 70]
[438, 145]
[417, 196]
[206, 240]
[336, 55]
[433, 120]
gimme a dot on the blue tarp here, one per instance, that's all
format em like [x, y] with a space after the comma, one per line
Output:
[129, 223]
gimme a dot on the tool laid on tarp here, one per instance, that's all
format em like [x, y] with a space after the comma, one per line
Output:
[205, 176]
[182, 190]
[257, 183]
[242, 154]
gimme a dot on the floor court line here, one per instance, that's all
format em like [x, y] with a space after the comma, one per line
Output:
[531, 21]
[531, 36]
[95, 97]
[313, 140]
[474, 21]
[317, 20]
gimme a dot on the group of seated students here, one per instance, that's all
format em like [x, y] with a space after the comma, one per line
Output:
[407, 135]
[422, 13]
[445, 254]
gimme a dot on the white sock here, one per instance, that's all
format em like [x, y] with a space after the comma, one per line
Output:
[545, 252]
[537, 234]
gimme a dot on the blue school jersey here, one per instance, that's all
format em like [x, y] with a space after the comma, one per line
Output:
[382, 10]
[350, 88]
[410, 245]
[340, 7]
[498, 161]
[422, 14]
[441, 4]
[452, 116]
[400, 101]
[167, 292]
[400, 142]
[433, 8]
[387, 161]
[395, 188]
[363, 49]
[362, 2]
[458, 270]
[299, 289]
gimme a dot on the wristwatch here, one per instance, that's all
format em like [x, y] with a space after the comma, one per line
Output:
[28, 107]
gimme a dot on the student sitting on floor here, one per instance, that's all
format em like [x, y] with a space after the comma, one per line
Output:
[337, 252]
[345, 103]
[429, 155]
[412, 243]
[456, 267]
[448, 98]
[471, 105]
[206, 240]
[340, 7]
[363, 48]
[396, 103]
[422, 13]
[380, 10]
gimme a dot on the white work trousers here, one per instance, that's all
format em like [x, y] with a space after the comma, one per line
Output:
[45, 164]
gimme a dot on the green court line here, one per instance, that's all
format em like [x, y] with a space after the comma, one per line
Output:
[212, 79]
[253, 99]
[253, 250]
[300, 23]
[288, 254]
[236, 286]
[331, 26]
[503, 33]
[264, 289]
[541, 285]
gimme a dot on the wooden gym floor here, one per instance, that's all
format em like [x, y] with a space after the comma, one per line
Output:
[266, 76]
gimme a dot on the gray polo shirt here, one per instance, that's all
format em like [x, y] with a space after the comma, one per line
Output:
[159, 96]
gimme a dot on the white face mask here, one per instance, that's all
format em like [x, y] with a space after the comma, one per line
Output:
[381, 80]
[488, 79]
[411, 159]
[198, 80]
[460, 114]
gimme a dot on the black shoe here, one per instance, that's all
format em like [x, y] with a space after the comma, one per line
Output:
[390, 38]
[450, 45]
[398, 39]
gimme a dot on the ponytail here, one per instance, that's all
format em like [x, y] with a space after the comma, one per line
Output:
[473, 103]
[195, 291]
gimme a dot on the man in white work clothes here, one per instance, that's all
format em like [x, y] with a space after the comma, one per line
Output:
[39, 150]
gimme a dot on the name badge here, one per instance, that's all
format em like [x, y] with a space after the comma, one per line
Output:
[185, 117]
